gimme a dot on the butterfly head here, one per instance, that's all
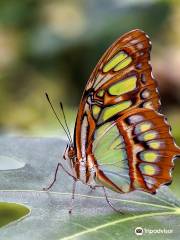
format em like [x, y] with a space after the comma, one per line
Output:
[70, 154]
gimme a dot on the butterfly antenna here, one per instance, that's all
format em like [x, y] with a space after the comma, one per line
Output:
[62, 108]
[49, 101]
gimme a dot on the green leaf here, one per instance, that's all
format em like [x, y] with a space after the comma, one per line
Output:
[10, 212]
[92, 218]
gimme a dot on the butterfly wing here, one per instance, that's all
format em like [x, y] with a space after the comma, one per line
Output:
[122, 80]
[121, 83]
[123, 76]
[135, 151]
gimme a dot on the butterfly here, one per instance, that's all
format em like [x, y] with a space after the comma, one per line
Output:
[121, 140]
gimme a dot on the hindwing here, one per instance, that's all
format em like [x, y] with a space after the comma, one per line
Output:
[135, 151]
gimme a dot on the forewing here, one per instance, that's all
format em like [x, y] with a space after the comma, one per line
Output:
[121, 81]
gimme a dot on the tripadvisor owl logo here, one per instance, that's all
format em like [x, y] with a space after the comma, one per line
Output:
[139, 231]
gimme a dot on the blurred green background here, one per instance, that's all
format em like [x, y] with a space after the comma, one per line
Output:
[53, 46]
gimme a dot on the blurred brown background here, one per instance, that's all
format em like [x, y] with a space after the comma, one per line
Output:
[54, 45]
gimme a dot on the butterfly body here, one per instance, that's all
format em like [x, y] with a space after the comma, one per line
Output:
[121, 141]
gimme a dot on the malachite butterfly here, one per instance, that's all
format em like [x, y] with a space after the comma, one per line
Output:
[121, 140]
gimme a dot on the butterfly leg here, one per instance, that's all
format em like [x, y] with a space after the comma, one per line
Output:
[109, 203]
[73, 194]
[55, 175]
